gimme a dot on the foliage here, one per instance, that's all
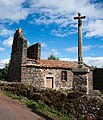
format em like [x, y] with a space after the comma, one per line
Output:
[39, 106]
[13, 96]
[4, 72]
[52, 57]
[102, 93]
[71, 104]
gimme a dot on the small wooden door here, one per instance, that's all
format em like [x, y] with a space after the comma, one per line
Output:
[49, 82]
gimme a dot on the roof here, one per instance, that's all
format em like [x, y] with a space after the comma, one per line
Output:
[52, 64]
[58, 64]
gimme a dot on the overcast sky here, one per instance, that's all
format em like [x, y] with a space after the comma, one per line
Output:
[51, 23]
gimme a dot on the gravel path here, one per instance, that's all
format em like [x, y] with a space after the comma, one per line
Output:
[13, 110]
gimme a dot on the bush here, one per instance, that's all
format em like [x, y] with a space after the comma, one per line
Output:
[74, 103]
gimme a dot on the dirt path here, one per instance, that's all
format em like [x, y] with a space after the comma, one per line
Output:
[13, 110]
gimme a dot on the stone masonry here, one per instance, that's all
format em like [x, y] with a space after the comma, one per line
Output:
[80, 80]
[27, 67]
[80, 77]
[18, 56]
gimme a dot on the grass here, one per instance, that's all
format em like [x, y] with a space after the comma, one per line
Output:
[102, 93]
[39, 106]
[13, 96]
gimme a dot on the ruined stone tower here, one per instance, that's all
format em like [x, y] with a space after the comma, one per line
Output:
[18, 56]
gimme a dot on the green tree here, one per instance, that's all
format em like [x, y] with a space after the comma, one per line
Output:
[0, 74]
[52, 57]
[4, 72]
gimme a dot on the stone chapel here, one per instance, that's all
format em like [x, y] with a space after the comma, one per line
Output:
[27, 67]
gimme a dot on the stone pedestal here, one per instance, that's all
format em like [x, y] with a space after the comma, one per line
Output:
[80, 79]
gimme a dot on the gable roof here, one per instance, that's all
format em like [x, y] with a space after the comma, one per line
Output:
[58, 64]
[43, 63]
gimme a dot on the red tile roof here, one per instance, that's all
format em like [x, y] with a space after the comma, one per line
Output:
[52, 63]
[57, 64]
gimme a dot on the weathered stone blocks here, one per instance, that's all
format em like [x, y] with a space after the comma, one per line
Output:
[80, 80]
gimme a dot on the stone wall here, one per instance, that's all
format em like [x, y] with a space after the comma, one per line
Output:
[18, 56]
[36, 76]
[80, 80]
[32, 76]
[73, 104]
[33, 52]
[27, 72]
[90, 81]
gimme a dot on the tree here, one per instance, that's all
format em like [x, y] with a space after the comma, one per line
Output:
[4, 72]
[0, 74]
[52, 57]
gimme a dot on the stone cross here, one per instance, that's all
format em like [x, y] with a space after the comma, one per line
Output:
[80, 56]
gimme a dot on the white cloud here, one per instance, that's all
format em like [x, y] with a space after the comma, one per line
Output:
[43, 45]
[72, 49]
[56, 12]
[63, 32]
[59, 33]
[5, 32]
[59, 12]
[28, 43]
[101, 46]
[54, 52]
[86, 48]
[94, 28]
[13, 10]
[8, 42]
[68, 59]
[46, 54]
[94, 61]
[75, 49]
[62, 12]
[2, 49]
[3, 62]
[91, 61]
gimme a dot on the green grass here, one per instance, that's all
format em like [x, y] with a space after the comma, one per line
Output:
[41, 107]
[102, 93]
[13, 96]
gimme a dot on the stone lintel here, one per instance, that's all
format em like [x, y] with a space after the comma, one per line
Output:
[80, 70]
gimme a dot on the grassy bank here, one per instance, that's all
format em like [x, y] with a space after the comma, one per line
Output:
[59, 105]
[39, 107]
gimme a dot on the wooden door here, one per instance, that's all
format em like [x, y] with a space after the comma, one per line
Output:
[49, 82]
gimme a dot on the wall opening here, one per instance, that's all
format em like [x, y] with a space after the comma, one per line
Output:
[49, 82]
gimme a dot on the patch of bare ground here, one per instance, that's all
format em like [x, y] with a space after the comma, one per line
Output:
[14, 110]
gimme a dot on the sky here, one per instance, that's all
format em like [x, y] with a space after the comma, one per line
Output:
[51, 22]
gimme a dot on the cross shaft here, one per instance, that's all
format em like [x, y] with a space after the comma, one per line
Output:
[80, 54]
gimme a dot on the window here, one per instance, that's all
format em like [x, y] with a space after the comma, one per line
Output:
[64, 76]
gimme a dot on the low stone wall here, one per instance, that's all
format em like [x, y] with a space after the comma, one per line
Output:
[90, 107]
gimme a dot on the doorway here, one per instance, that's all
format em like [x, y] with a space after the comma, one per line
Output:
[49, 82]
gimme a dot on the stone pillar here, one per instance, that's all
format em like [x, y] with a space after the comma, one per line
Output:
[80, 77]
[80, 54]
[80, 80]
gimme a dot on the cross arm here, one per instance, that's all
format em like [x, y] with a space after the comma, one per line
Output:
[80, 17]
[76, 18]
[83, 17]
